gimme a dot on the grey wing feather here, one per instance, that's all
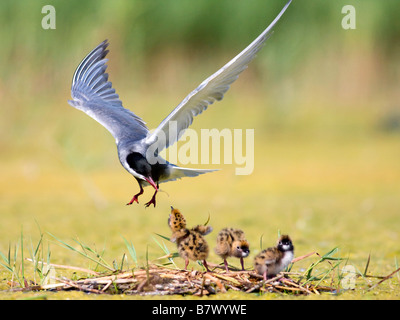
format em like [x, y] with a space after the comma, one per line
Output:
[210, 90]
[93, 94]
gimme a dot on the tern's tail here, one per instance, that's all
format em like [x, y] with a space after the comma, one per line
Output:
[178, 173]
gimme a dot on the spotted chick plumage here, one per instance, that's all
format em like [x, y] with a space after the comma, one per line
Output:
[232, 243]
[190, 242]
[273, 260]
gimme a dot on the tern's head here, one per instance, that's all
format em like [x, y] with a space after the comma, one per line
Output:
[140, 168]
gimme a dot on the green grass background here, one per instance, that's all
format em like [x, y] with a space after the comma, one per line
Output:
[323, 101]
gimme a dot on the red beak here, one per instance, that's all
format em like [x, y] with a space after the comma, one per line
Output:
[152, 183]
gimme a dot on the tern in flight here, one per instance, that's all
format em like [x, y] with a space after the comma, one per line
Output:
[93, 94]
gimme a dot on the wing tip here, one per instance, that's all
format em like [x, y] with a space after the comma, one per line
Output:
[90, 80]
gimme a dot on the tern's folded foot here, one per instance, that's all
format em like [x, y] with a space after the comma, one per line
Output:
[135, 197]
[153, 199]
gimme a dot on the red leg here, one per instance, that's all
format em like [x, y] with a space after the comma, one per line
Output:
[136, 197]
[242, 263]
[206, 265]
[186, 263]
[226, 265]
[153, 199]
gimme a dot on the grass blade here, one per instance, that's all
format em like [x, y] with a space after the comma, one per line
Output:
[208, 219]
[7, 262]
[84, 254]
[384, 279]
[367, 265]
[164, 237]
[166, 250]
[261, 239]
[131, 250]
[22, 259]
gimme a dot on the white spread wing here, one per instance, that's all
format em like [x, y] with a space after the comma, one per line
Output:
[210, 90]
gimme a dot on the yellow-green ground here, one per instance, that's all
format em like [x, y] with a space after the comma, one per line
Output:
[322, 188]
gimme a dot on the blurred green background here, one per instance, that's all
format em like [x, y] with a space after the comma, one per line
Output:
[323, 101]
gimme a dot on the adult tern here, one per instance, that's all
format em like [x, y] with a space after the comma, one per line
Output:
[93, 94]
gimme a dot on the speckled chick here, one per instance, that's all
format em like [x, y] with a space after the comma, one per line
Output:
[191, 243]
[232, 243]
[271, 261]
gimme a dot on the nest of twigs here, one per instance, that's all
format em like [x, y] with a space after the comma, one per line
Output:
[160, 280]
[164, 281]
[322, 275]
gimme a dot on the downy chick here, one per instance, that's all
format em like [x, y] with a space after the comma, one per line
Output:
[271, 261]
[232, 243]
[191, 243]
